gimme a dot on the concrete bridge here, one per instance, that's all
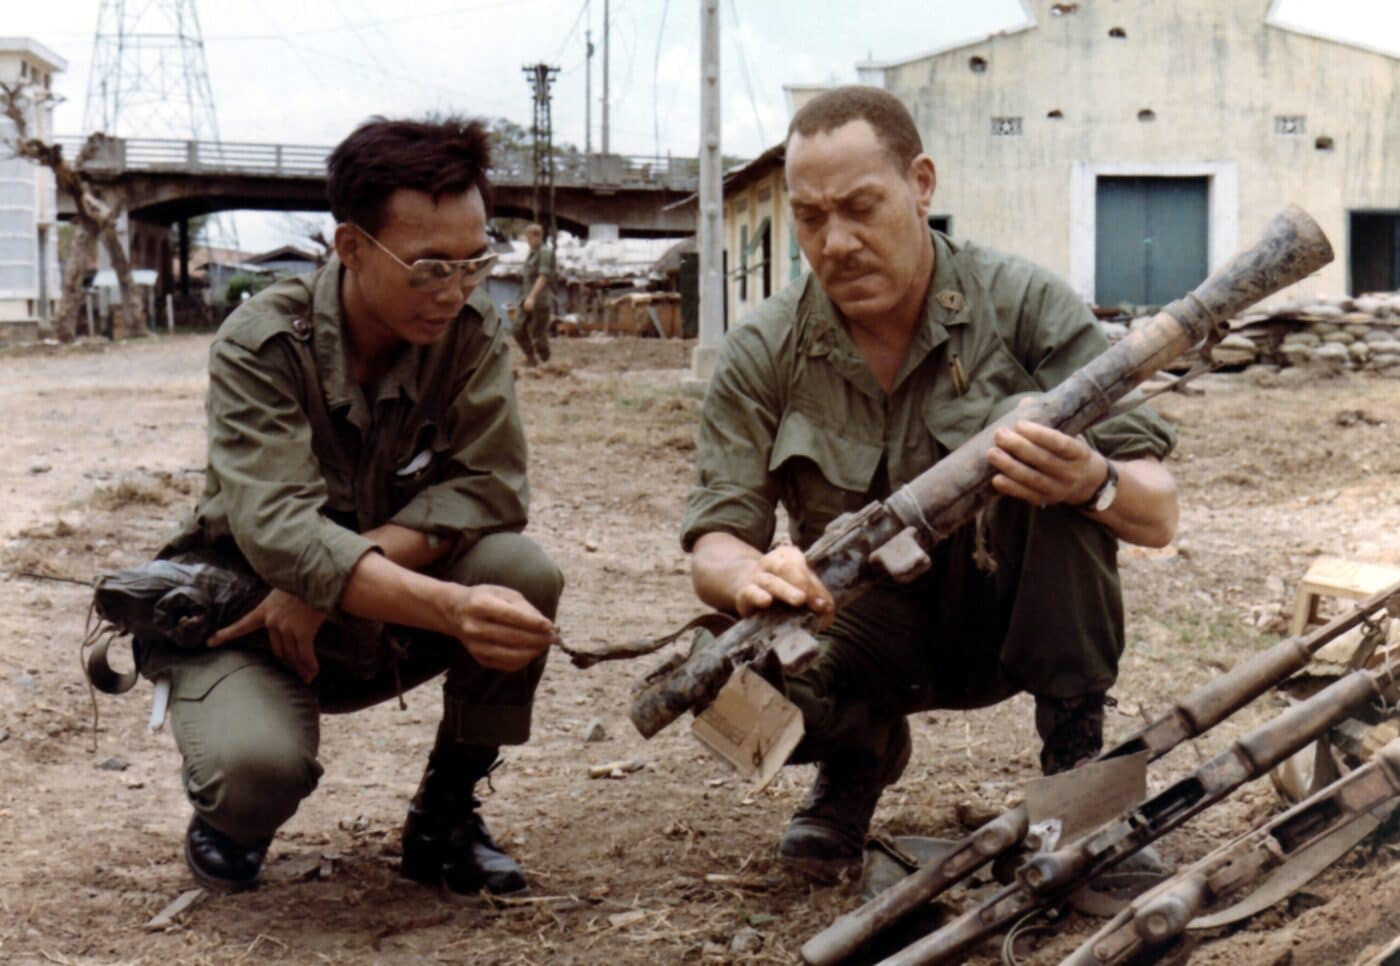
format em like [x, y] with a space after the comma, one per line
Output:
[165, 182]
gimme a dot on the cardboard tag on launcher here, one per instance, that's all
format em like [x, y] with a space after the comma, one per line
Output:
[1085, 797]
[751, 726]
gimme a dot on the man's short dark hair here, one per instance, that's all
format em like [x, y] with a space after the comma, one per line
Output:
[884, 112]
[439, 157]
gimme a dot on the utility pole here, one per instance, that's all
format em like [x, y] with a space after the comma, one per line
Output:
[607, 16]
[711, 221]
[588, 95]
[541, 77]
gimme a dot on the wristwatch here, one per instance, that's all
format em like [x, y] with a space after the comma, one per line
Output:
[1107, 492]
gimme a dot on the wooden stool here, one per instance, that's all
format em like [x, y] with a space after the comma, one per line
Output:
[1335, 577]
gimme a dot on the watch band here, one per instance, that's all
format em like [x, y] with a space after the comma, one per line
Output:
[1109, 486]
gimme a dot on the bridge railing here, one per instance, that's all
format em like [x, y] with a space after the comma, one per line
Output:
[514, 167]
[205, 157]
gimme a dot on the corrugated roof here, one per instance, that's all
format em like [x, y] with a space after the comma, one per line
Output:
[750, 171]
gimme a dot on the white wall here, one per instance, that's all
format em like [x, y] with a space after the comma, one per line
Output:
[28, 203]
[1214, 77]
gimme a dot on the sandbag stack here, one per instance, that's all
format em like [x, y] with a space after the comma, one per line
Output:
[1329, 333]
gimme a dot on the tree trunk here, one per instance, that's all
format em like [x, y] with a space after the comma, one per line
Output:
[130, 320]
[70, 308]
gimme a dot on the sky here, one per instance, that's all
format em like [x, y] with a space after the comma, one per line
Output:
[308, 72]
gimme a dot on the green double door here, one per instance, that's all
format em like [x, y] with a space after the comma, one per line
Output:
[1151, 242]
[1374, 240]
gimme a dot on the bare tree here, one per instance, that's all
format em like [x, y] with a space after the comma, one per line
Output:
[95, 216]
[312, 228]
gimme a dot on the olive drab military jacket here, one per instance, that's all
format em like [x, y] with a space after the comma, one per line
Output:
[793, 414]
[302, 460]
[539, 262]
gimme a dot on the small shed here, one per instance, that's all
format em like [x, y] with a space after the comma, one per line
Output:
[644, 314]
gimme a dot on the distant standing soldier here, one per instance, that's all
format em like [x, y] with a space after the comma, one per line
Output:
[532, 328]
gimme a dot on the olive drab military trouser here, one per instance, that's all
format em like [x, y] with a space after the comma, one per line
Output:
[249, 729]
[1048, 620]
[532, 329]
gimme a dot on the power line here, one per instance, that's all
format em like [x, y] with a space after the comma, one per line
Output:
[385, 22]
[630, 51]
[744, 71]
[355, 31]
[572, 30]
[656, 69]
[417, 83]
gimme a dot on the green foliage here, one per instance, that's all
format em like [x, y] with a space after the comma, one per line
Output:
[509, 136]
[245, 282]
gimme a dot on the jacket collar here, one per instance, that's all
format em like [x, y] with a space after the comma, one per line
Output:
[822, 330]
[328, 334]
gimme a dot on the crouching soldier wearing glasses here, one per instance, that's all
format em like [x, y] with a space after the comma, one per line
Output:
[366, 460]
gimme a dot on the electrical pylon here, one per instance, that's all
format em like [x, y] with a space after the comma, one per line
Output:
[541, 77]
[149, 79]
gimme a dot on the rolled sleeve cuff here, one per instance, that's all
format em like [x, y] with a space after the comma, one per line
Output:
[747, 517]
[325, 563]
[1133, 435]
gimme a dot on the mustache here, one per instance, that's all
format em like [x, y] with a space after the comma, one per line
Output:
[850, 268]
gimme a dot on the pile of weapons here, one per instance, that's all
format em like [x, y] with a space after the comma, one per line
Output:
[890, 539]
[1155, 923]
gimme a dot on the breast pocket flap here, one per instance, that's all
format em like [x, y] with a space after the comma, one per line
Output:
[846, 463]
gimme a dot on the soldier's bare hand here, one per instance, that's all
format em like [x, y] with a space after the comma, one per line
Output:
[497, 625]
[782, 574]
[529, 305]
[1045, 467]
[291, 625]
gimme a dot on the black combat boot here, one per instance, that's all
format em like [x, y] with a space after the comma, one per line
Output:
[445, 842]
[219, 863]
[1071, 731]
[827, 833]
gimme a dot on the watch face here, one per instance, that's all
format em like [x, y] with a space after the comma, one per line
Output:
[1109, 491]
[1105, 499]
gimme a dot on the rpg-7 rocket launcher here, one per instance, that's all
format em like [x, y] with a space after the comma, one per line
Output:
[893, 537]
[1154, 923]
[1188, 717]
[1047, 878]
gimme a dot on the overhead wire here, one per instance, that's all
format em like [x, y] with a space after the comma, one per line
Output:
[744, 72]
[360, 38]
[572, 30]
[656, 69]
[385, 39]
[630, 45]
[384, 22]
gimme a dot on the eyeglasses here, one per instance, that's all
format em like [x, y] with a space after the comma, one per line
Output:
[439, 272]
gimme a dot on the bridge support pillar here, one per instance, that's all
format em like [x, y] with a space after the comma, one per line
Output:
[184, 258]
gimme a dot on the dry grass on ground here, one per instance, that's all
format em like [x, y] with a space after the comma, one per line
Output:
[104, 447]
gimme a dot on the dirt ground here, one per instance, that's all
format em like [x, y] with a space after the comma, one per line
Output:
[103, 449]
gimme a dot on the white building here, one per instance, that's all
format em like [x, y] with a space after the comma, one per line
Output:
[29, 276]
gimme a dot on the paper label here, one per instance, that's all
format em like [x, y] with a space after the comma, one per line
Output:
[1086, 797]
[751, 726]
